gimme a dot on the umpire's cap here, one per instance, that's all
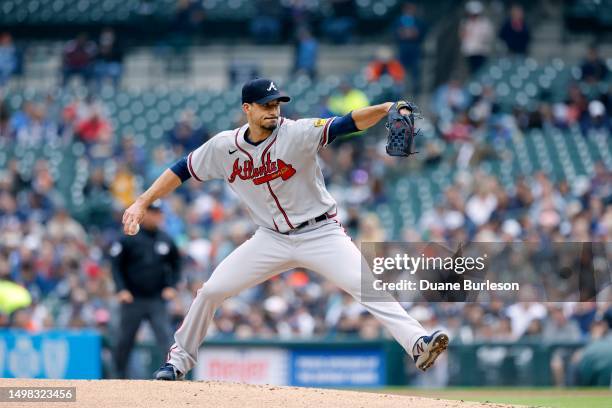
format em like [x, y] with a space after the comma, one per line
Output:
[262, 90]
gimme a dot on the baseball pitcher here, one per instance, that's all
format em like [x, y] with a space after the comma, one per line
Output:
[271, 163]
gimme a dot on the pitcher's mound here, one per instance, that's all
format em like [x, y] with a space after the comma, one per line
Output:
[195, 394]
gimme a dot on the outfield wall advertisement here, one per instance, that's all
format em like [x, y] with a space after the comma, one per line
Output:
[245, 365]
[298, 367]
[54, 354]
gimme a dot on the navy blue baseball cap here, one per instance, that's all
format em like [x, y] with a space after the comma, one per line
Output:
[262, 90]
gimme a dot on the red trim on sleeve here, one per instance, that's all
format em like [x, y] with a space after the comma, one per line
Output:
[191, 168]
[325, 131]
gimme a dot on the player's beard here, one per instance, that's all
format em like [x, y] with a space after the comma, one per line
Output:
[270, 127]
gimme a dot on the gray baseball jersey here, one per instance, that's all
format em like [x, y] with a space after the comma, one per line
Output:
[279, 180]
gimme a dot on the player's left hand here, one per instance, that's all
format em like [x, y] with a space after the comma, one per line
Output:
[404, 108]
[168, 293]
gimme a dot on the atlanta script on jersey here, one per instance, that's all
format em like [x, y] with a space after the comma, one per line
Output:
[279, 179]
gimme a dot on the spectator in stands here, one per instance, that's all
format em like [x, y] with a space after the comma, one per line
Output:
[75, 110]
[8, 57]
[186, 136]
[515, 33]
[62, 226]
[5, 119]
[22, 319]
[533, 332]
[593, 68]
[123, 186]
[409, 33]
[109, 59]
[306, 54]
[476, 35]
[345, 314]
[132, 153]
[450, 98]
[97, 195]
[347, 99]
[31, 126]
[340, 26]
[577, 105]
[266, 23]
[558, 327]
[94, 127]
[22, 118]
[42, 198]
[585, 314]
[597, 118]
[480, 206]
[78, 58]
[186, 22]
[484, 108]
[385, 64]
[595, 365]
[522, 314]
[601, 183]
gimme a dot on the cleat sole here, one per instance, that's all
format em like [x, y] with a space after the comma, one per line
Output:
[439, 346]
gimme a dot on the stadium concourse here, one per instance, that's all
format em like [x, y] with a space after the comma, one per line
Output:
[518, 150]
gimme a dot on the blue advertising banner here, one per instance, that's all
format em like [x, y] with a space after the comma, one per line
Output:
[341, 368]
[50, 354]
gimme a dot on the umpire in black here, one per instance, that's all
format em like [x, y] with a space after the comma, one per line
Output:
[146, 268]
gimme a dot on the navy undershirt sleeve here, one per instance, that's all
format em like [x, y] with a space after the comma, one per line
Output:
[342, 125]
[180, 169]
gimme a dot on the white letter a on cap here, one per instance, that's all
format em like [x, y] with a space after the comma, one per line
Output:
[272, 86]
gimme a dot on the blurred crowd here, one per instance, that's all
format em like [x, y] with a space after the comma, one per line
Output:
[61, 258]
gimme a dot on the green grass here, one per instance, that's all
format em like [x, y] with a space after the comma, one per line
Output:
[532, 397]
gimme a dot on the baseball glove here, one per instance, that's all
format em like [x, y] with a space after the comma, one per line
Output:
[400, 129]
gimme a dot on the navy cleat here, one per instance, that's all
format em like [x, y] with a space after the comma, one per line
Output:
[168, 372]
[427, 349]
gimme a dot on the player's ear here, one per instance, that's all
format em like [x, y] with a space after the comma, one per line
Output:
[246, 107]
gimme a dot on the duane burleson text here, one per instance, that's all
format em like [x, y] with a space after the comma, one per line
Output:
[424, 284]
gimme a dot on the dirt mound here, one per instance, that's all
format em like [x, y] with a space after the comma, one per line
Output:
[192, 394]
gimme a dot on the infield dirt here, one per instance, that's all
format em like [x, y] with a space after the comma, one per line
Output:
[192, 394]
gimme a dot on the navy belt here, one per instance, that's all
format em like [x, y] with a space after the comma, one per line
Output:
[320, 218]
